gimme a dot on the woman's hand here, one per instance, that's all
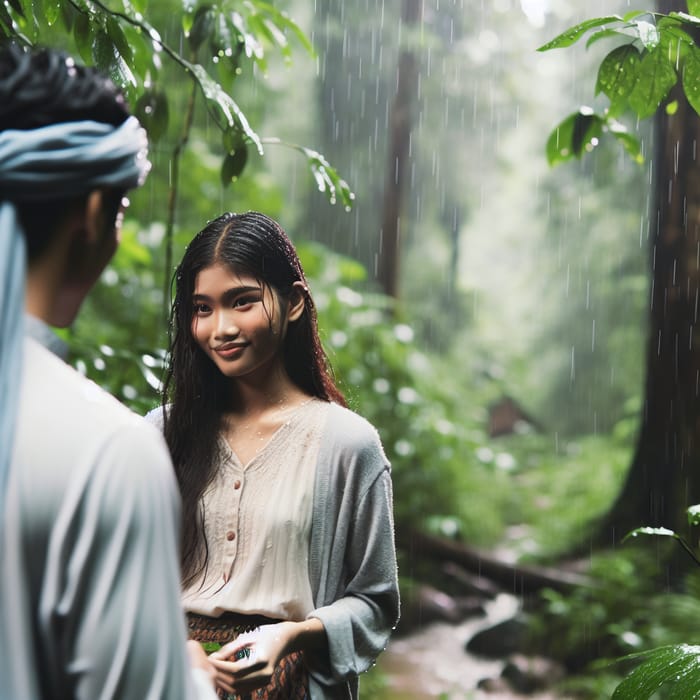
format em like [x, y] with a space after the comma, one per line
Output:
[248, 662]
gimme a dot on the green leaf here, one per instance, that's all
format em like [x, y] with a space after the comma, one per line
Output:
[656, 76]
[690, 78]
[252, 47]
[630, 143]
[68, 14]
[82, 32]
[672, 32]
[663, 532]
[694, 7]
[233, 164]
[202, 26]
[116, 34]
[5, 21]
[283, 21]
[16, 5]
[573, 34]
[103, 50]
[221, 40]
[605, 34]
[576, 134]
[558, 147]
[693, 515]
[210, 647]
[658, 531]
[587, 129]
[153, 112]
[140, 6]
[327, 179]
[51, 11]
[214, 93]
[672, 664]
[617, 76]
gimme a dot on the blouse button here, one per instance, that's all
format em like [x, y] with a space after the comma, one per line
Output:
[230, 535]
[236, 484]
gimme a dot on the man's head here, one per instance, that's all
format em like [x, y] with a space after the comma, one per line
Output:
[69, 153]
[44, 87]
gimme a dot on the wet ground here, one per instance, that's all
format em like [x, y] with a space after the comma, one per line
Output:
[432, 662]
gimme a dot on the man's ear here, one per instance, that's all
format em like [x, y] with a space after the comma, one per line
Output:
[94, 216]
[297, 301]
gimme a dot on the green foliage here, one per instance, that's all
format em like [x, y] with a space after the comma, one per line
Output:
[129, 44]
[569, 483]
[659, 52]
[601, 621]
[676, 666]
[431, 440]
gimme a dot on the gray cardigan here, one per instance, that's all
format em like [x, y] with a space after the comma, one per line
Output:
[352, 562]
[352, 559]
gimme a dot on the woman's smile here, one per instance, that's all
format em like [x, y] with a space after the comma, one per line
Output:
[230, 351]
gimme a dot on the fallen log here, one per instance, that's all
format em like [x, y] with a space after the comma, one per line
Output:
[515, 578]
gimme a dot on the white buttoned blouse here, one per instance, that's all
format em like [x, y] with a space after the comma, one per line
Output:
[258, 524]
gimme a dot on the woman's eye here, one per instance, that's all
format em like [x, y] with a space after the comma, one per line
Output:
[201, 309]
[244, 301]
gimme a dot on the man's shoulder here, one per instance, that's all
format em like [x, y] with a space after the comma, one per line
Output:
[62, 410]
[65, 392]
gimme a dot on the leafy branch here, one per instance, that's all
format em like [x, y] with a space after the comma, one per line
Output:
[637, 76]
[676, 665]
[125, 45]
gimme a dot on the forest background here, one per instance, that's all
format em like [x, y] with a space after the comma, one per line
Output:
[466, 280]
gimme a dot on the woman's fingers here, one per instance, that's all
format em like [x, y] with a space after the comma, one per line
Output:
[225, 682]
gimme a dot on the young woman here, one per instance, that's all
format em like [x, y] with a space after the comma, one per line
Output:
[288, 546]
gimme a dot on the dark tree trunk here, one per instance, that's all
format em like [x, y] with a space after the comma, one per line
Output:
[664, 477]
[400, 123]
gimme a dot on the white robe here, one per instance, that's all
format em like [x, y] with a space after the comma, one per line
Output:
[89, 574]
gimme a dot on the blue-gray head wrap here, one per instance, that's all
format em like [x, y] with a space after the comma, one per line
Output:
[50, 163]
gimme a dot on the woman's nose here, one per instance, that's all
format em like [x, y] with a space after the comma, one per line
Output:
[225, 325]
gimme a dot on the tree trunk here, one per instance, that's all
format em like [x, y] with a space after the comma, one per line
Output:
[664, 478]
[400, 123]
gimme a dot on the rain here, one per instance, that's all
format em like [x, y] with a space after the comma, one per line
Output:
[502, 245]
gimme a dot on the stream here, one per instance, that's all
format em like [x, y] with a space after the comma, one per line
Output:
[432, 662]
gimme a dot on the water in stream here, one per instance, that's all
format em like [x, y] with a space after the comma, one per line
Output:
[432, 662]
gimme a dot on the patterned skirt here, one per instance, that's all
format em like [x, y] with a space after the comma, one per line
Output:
[290, 680]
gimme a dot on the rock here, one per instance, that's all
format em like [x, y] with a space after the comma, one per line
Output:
[528, 674]
[425, 604]
[499, 641]
[494, 685]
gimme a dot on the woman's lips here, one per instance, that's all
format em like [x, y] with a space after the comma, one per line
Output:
[230, 350]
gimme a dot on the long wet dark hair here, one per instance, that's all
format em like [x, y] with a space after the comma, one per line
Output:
[195, 394]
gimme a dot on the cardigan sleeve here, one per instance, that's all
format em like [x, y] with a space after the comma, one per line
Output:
[358, 595]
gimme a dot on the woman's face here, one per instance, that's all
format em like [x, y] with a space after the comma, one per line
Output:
[237, 322]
